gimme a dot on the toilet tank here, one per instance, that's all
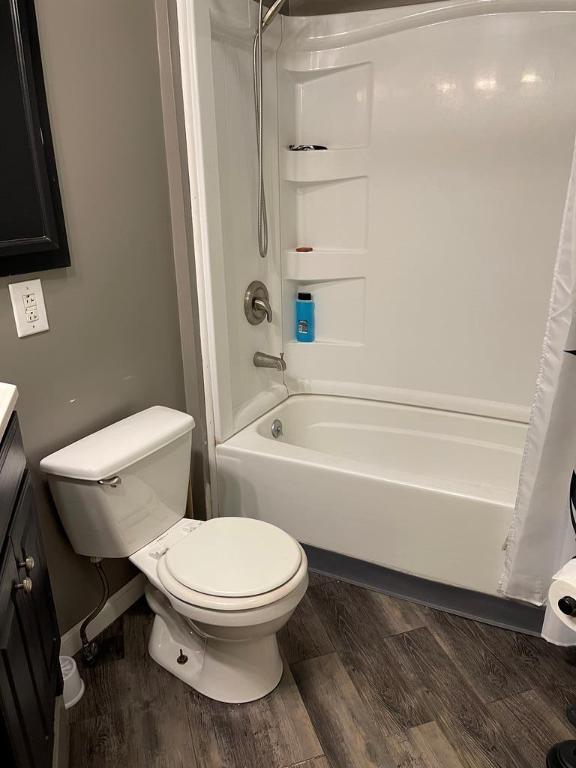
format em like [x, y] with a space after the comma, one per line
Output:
[121, 487]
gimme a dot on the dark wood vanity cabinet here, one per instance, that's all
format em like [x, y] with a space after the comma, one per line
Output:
[30, 678]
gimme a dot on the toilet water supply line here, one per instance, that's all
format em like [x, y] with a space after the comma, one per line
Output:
[90, 647]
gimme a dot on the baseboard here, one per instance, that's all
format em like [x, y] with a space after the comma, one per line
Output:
[499, 611]
[60, 753]
[115, 606]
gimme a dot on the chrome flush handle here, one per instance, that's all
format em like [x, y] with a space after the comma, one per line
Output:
[113, 482]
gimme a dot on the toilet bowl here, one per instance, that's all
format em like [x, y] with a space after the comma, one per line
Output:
[220, 590]
[223, 646]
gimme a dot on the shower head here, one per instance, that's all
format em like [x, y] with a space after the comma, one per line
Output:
[271, 13]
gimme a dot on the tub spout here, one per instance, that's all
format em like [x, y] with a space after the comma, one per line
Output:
[262, 360]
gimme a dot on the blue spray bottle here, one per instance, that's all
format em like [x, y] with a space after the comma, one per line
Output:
[305, 327]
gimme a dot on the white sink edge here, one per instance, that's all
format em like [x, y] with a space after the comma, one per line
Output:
[8, 398]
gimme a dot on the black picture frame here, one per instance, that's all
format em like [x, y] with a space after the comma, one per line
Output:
[32, 227]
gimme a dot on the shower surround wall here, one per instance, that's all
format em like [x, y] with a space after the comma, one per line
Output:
[216, 50]
[434, 217]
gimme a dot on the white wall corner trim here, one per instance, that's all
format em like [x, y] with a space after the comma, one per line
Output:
[115, 606]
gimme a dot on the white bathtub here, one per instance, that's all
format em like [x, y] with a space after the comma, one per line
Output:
[422, 491]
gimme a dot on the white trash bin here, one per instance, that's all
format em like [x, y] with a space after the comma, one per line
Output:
[73, 684]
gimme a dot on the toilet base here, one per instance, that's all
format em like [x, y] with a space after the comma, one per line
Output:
[224, 670]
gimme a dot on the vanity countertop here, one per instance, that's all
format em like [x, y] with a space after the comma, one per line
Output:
[8, 398]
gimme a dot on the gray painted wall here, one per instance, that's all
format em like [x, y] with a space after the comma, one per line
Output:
[113, 347]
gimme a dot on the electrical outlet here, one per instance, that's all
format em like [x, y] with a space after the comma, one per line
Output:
[31, 314]
[29, 300]
[28, 307]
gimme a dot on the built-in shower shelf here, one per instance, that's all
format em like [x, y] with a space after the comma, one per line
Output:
[324, 265]
[325, 164]
[322, 343]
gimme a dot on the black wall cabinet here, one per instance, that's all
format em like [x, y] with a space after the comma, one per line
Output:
[32, 231]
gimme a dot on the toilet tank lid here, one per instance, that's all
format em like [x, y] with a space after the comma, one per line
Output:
[110, 450]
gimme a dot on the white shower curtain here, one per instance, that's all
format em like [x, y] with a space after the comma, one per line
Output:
[541, 537]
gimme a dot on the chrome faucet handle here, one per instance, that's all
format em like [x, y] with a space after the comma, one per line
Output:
[263, 305]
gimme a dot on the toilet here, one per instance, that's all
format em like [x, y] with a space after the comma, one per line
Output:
[220, 590]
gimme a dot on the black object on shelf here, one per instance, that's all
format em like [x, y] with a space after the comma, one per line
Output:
[306, 147]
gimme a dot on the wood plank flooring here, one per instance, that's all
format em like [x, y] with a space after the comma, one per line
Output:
[369, 682]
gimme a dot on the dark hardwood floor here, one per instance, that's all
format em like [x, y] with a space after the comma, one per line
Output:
[369, 682]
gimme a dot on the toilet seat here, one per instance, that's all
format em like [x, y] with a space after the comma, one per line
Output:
[234, 557]
[232, 564]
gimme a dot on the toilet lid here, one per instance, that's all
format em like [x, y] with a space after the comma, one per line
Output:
[234, 557]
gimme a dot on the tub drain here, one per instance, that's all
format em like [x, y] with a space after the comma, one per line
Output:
[276, 429]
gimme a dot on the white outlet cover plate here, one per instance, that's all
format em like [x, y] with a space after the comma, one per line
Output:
[28, 307]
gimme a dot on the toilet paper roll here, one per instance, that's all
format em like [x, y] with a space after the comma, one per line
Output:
[562, 591]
